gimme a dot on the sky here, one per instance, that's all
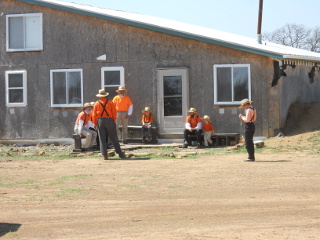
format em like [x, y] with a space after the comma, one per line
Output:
[232, 16]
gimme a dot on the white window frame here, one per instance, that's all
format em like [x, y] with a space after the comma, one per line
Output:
[39, 48]
[104, 69]
[51, 88]
[232, 102]
[24, 88]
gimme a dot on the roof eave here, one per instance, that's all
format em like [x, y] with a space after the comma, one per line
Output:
[156, 28]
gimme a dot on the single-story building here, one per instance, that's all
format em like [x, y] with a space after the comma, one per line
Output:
[55, 56]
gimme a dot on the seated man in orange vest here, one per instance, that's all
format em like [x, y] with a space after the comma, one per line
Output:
[193, 127]
[81, 126]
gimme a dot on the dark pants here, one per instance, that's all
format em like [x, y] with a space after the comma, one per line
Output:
[196, 133]
[248, 136]
[145, 130]
[107, 128]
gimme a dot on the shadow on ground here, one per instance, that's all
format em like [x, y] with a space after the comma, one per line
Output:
[8, 227]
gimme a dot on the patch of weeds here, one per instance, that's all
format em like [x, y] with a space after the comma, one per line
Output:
[174, 186]
[62, 180]
[167, 149]
[29, 183]
[315, 138]
[67, 191]
[128, 186]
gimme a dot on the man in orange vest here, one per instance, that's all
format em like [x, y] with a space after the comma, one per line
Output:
[124, 109]
[103, 117]
[82, 129]
[193, 127]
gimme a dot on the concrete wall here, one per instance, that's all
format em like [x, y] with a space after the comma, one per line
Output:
[297, 88]
[75, 41]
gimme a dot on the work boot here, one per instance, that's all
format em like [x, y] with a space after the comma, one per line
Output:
[122, 154]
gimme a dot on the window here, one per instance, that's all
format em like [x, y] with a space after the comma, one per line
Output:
[232, 83]
[66, 88]
[16, 88]
[112, 78]
[24, 32]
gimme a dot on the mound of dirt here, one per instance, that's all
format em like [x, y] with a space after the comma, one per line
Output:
[302, 118]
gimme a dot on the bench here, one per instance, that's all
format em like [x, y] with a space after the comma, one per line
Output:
[223, 139]
[77, 143]
[135, 134]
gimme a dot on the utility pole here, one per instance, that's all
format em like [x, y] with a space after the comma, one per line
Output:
[259, 21]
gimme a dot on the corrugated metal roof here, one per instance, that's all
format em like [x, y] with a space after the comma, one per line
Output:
[184, 30]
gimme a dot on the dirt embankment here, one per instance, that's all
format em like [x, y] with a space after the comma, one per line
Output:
[302, 118]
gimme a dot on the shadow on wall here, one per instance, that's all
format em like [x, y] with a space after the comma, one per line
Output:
[302, 118]
[8, 227]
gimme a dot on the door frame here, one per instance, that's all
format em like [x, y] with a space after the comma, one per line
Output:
[161, 72]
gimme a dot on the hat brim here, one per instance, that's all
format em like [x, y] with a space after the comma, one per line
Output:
[144, 111]
[241, 106]
[87, 107]
[102, 95]
[124, 90]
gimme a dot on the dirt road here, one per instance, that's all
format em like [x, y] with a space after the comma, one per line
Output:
[211, 197]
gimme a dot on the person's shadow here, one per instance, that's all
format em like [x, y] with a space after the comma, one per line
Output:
[8, 227]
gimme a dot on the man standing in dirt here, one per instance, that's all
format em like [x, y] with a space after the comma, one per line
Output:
[104, 117]
[249, 119]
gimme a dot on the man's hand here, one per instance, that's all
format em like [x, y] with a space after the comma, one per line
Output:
[81, 135]
[127, 116]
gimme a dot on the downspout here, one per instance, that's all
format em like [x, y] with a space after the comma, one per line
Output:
[259, 22]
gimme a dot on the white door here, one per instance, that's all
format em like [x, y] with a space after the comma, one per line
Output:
[173, 102]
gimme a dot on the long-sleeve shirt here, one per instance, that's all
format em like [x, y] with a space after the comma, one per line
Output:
[251, 115]
[123, 104]
[82, 120]
[194, 122]
[99, 112]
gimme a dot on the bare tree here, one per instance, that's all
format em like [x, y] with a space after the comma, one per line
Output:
[313, 41]
[296, 36]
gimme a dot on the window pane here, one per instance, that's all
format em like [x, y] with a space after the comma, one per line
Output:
[15, 80]
[59, 87]
[111, 91]
[224, 84]
[173, 106]
[240, 83]
[112, 78]
[16, 33]
[74, 87]
[172, 88]
[16, 96]
[33, 32]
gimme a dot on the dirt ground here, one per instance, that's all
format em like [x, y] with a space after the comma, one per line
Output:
[217, 196]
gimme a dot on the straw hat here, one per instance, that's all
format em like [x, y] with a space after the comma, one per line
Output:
[193, 110]
[102, 93]
[244, 102]
[146, 109]
[121, 89]
[92, 104]
[86, 105]
[206, 117]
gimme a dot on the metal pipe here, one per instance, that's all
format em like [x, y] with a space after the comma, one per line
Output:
[259, 21]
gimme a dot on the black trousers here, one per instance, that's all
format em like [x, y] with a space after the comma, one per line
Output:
[248, 137]
[196, 133]
[107, 128]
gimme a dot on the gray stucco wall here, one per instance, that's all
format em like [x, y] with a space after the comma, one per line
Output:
[75, 41]
[297, 88]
